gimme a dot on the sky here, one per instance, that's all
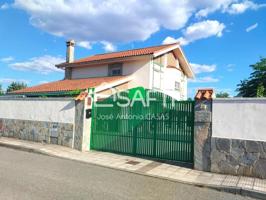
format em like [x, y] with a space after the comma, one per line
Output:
[220, 38]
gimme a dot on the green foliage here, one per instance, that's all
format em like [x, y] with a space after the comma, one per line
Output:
[255, 84]
[261, 90]
[74, 92]
[16, 86]
[1, 90]
[222, 95]
[43, 96]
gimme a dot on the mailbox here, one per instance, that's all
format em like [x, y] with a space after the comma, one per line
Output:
[88, 113]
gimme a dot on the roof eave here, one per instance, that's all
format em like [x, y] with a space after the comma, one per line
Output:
[98, 62]
[187, 66]
[165, 50]
[181, 57]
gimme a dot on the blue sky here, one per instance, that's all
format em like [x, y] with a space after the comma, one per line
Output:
[220, 38]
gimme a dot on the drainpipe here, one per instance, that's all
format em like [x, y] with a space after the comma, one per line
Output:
[151, 78]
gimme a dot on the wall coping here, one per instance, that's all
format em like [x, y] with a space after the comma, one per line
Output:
[249, 99]
[36, 99]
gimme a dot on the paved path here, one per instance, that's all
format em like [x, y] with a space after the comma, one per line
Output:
[242, 185]
[29, 176]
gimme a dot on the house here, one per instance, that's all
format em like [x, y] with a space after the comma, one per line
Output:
[163, 68]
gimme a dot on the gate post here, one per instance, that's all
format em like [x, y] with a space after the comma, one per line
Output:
[203, 129]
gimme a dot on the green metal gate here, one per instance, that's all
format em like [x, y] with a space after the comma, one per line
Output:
[162, 128]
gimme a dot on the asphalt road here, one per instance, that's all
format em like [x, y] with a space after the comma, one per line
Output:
[29, 176]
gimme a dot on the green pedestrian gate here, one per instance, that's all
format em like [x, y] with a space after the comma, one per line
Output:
[144, 123]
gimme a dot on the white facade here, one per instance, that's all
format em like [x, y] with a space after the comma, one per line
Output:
[146, 72]
[239, 119]
[171, 76]
[48, 110]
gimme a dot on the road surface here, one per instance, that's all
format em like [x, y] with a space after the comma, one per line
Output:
[26, 176]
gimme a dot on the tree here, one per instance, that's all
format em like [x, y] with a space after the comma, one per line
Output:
[16, 86]
[255, 84]
[260, 90]
[1, 90]
[222, 95]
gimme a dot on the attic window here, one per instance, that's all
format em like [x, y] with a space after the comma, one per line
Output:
[115, 69]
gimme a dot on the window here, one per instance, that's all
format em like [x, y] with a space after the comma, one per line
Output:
[177, 85]
[115, 69]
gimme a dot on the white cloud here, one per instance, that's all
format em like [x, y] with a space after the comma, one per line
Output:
[252, 27]
[199, 30]
[84, 44]
[10, 80]
[112, 21]
[225, 6]
[238, 8]
[44, 64]
[230, 67]
[199, 68]
[4, 6]
[109, 47]
[43, 82]
[169, 40]
[6, 59]
[118, 20]
[206, 79]
[210, 6]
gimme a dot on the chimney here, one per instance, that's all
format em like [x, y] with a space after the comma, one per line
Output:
[70, 51]
[69, 58]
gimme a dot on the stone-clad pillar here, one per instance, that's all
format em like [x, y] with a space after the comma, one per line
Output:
[203, 129]
[79, 124]
[82, 122]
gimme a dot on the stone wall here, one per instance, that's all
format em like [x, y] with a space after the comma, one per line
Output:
[59, 121]
[38, 131]
[202, 135]
[79, 124]
[238, 157]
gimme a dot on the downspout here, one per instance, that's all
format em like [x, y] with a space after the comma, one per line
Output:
[91, 92]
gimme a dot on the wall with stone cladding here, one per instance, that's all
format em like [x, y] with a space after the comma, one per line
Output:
[38, 131]
[238, 143]
[50, 120]
[238, 157]
[229, 136]
[202, 135]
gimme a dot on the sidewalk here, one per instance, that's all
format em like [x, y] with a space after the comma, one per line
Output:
[247, 186]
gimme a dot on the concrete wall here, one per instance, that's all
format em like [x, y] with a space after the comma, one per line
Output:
[239, 119]
[39, 109]
[171, 75]
[49, 120]
[166, 71]
[238, 142]
[141, 72]
[87, 72]
[138, 68]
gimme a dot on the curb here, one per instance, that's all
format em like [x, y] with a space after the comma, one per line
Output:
[233, 190]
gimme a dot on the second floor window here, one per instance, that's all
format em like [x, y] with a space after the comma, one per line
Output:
[177, 85]
[115, 69]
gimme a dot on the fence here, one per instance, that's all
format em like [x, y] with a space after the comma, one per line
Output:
[162, 130]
